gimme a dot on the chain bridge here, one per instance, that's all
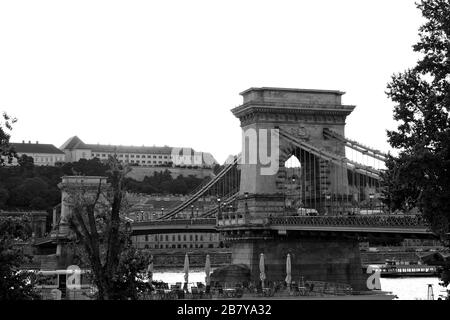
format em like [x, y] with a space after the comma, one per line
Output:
[299, 186]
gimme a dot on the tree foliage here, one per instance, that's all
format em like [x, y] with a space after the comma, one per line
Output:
[36, 187]
[420, 175]
[98, 222]
[15, 284]
[6, 151]
[163, 183]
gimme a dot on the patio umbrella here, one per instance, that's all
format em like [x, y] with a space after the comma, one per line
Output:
[262, 274]
[207, 270]
[150, 270]
[186, 269]
[288, 270]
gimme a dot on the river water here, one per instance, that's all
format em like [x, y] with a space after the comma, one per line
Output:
[415, 288]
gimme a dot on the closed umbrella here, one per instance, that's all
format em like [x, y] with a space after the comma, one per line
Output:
[207, 270]
[262, 274]
[288, 270]
[186, 270]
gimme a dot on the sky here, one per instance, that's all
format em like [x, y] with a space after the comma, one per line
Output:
[169, 72]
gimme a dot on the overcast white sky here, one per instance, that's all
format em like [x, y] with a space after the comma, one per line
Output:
[168, 72]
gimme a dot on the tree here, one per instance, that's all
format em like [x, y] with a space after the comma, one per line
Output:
[4, 195]
[99, 225]
[15, 284]
[91, 167]
[6, 151]
[420, 175]
[26, 162]
[31, 193]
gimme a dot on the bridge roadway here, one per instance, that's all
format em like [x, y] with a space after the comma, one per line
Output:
[401, 225]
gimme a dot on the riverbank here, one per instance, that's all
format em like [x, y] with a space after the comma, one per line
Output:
[222, 257]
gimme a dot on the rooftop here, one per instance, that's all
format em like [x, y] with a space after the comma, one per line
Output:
[35, 148]
[336, 92]
[128, 149]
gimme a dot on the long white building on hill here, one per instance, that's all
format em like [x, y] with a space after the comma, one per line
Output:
[75, 149]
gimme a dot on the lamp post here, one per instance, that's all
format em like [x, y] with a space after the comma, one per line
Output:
[371, 196]
[192, 211]
[293, 202]
[219, 213]
[246, 204]
[128, 230]
[327, 198]
[162, 211]
[226, 214]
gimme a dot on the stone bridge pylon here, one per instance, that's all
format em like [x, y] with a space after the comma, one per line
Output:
[278, 123]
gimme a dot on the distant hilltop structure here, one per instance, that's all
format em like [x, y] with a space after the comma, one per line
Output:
[75, 149]
[42, 154]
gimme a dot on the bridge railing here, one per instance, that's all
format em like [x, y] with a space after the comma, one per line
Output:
[394, 221]
[202, 221]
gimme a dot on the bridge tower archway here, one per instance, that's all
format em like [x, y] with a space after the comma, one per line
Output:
[302, 114]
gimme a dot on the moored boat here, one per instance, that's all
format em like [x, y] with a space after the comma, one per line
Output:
[394, 268]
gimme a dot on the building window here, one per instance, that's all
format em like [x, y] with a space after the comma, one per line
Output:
[132, 156]
[138, 156]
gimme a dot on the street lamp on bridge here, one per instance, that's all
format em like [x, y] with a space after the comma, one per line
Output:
[219, 213]
[371, 196]
[327, 198]
[246, 205]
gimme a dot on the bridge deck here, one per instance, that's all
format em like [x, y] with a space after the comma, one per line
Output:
[393, 224]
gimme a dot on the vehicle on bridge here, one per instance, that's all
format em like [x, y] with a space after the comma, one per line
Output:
[307, 212]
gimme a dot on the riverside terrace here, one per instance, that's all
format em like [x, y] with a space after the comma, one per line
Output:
[413, 226]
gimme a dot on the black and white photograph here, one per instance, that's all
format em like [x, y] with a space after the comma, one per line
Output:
[215, 158]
